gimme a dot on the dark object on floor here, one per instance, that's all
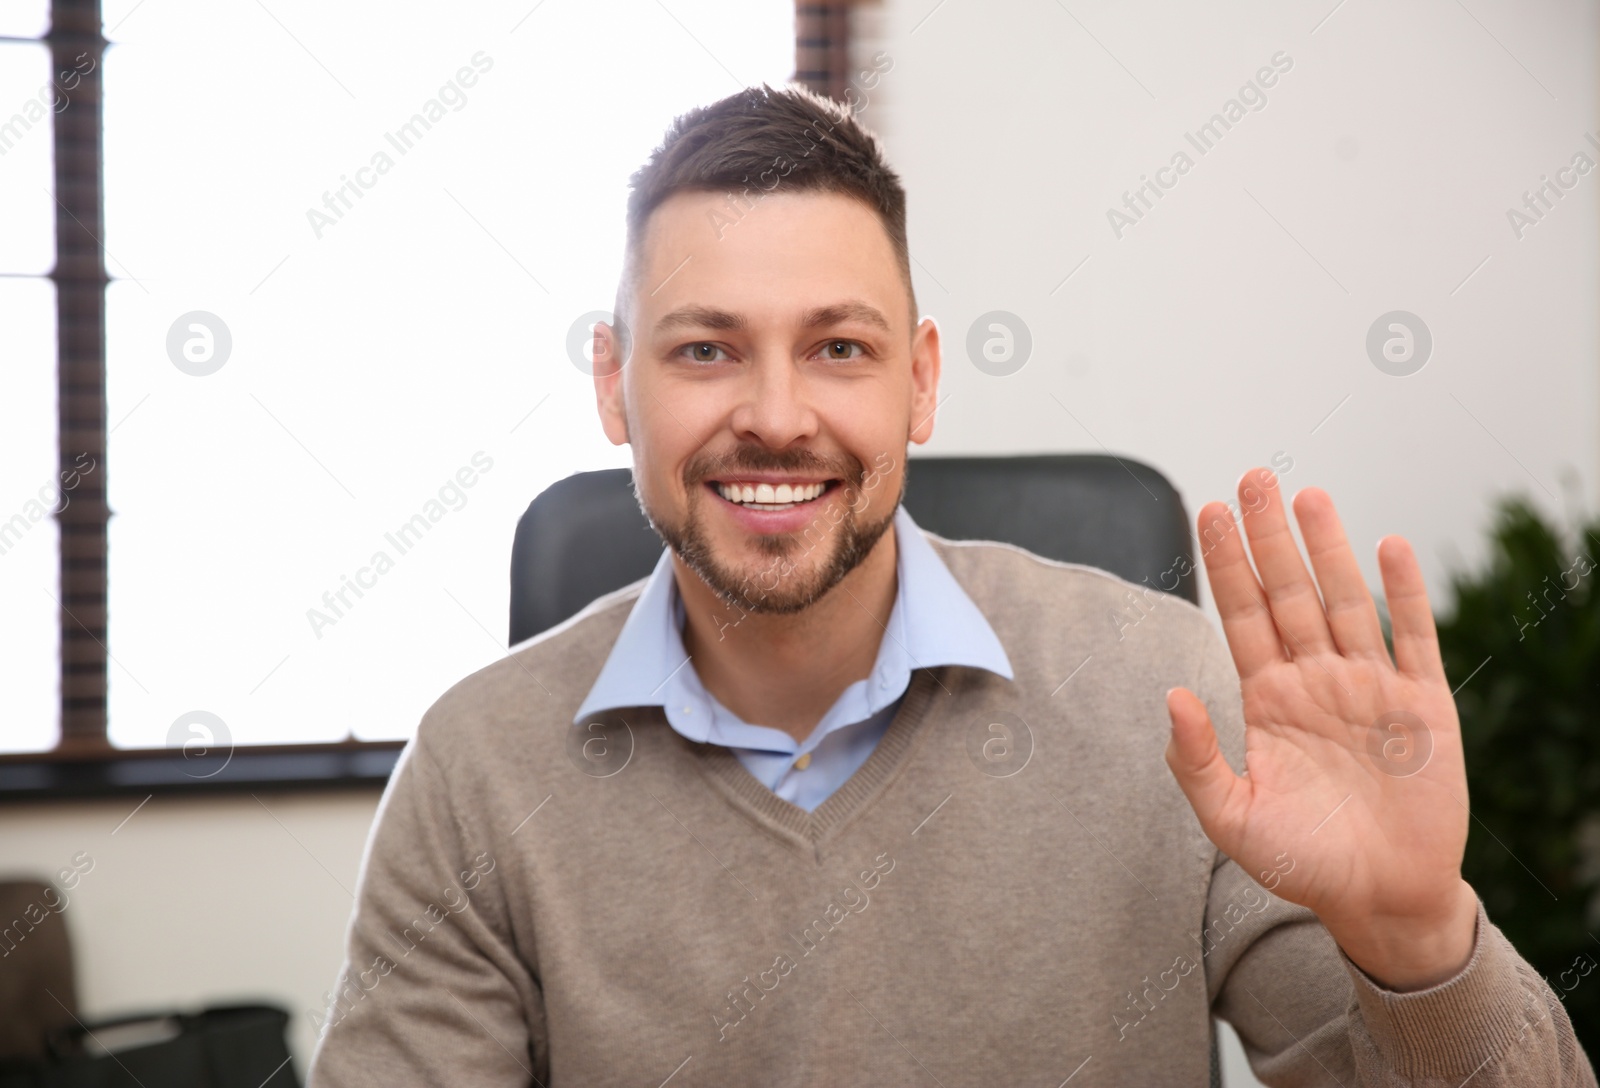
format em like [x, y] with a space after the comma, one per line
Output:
[235, 1046]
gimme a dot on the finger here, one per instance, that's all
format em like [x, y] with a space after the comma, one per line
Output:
[1195, 759]
[1416, 639]
[1352, 615]
[1253, 638]
[1291, 594]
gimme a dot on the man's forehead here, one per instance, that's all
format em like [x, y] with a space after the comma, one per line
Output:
[726, 213]
[804, 259]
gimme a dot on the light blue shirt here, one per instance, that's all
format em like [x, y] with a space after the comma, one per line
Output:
[933, 622]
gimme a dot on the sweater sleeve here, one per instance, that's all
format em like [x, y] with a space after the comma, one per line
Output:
[432, 990]
[1307, 1015]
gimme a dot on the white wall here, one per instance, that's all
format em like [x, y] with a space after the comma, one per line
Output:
[1219, 330]
[1231, 320]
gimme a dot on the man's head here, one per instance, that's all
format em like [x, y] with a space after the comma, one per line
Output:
[771, 342]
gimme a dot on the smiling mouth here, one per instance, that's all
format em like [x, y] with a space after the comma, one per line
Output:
[768, 496]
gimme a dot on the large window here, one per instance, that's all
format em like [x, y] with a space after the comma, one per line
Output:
[346, 244]
[29, 489]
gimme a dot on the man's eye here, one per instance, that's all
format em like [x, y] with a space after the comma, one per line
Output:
[701, 353]
[842, 349]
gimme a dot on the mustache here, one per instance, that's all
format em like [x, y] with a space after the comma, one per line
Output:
[708, 466]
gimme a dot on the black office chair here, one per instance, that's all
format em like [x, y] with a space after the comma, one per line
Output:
[585, 536]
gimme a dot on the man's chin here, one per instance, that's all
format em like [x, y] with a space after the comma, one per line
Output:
[772, 573]
[782, 581]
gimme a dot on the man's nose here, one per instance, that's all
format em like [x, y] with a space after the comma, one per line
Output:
[774, 406]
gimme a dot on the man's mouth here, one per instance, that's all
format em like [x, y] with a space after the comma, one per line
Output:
[767, 495]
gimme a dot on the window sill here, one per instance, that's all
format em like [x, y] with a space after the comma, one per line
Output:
[105, 772]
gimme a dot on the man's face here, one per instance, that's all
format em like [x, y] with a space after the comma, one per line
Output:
[773, 385]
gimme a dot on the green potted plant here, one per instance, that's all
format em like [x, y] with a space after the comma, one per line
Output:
[1521, 645]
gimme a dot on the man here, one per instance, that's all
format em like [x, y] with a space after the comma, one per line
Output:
[826, 800]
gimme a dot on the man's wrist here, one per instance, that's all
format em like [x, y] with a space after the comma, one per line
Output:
[1404, 955]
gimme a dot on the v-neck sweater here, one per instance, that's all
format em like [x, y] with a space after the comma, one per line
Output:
[1010, 890]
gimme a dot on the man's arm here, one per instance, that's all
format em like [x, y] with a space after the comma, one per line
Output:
[432, 990]
[1307, 1015]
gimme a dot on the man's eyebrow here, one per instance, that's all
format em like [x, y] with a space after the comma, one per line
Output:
[701, 317]
[706, 317]
[842, 312]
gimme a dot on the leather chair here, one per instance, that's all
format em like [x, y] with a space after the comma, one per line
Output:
[586, 536]
[38, 985]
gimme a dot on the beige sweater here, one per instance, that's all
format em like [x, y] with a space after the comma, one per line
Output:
[621, 906]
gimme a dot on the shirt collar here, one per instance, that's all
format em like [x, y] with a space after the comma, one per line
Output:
[934, 623]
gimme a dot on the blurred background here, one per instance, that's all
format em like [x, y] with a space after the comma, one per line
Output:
[277, 277]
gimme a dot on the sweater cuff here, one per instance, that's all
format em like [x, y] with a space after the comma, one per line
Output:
[1453, 1028]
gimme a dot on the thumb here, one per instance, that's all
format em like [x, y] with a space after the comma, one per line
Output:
[1195, 759]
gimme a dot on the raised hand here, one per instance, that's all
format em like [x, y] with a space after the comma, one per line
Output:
[1354, 796]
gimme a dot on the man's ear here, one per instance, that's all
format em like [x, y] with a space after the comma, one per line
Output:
[924, 379]
[609, 358]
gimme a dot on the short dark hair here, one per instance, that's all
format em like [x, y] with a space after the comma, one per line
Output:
[760, 140]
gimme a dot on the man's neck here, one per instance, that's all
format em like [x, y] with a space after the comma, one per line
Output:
[785, 671]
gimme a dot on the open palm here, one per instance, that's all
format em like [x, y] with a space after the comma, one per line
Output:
[1353, 802]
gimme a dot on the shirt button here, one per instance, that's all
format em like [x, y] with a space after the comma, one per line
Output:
[803, 762]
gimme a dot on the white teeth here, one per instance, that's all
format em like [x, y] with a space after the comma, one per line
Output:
[769, 495]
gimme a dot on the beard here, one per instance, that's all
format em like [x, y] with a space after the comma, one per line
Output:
[778, 583]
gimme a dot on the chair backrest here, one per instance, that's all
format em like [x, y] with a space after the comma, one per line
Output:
[38, 962]
[586, 536]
